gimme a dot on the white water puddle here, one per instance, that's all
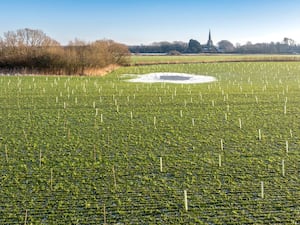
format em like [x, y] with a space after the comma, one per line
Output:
[177, 78]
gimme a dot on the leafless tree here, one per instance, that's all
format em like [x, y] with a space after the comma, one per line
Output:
[27, 50]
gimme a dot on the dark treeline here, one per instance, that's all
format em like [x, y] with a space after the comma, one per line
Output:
[268, 48]
[160, 47]
[287, 46]
[28, 51]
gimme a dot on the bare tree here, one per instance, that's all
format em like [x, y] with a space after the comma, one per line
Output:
[1, 44]
[289, 41]
[119, 53]
[24, 41]
[28, 38]
[32, 50]
[106, 52]
[77, 42]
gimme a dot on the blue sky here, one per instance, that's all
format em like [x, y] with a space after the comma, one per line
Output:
[148, 21]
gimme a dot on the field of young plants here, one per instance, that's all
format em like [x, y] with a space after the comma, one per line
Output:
[100, 150]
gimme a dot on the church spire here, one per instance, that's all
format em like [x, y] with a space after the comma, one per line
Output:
[209, 42]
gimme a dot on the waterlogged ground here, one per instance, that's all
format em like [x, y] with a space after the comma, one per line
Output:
[170, 77]
[95, 150]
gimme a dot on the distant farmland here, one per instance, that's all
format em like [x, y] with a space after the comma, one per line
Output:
[208, 58]
[101, 150]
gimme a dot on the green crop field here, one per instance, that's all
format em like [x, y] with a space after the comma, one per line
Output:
[207, 58]
[100, 150]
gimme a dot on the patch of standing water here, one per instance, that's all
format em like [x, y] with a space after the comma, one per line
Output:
[177, 78]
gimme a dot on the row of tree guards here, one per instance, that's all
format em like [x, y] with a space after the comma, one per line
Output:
[185, 200]
[220, 164]
[185, 192]
[185, 195]
[262, 195]
[193, 123]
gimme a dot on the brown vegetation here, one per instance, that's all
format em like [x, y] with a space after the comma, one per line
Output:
[101, 71]
[29, 51]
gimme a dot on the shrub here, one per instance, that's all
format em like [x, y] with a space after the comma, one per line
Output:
[32, 51]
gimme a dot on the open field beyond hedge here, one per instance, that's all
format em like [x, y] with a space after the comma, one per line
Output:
[95, 150]
[208, 58]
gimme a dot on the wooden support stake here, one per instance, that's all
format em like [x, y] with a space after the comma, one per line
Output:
[262, 189]
[104, 214]
[259, 134]
[6, 153]
[69, 134]
[40, 157]
[95, 153]
[26, 215]
[286, 146]
[161, 164]
[51, 179]
[114, 175]
[283, 168]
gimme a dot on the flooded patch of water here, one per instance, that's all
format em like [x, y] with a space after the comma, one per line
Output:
[177, 78]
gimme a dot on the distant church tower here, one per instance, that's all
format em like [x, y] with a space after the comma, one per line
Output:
[209, 47]
[209, 42]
